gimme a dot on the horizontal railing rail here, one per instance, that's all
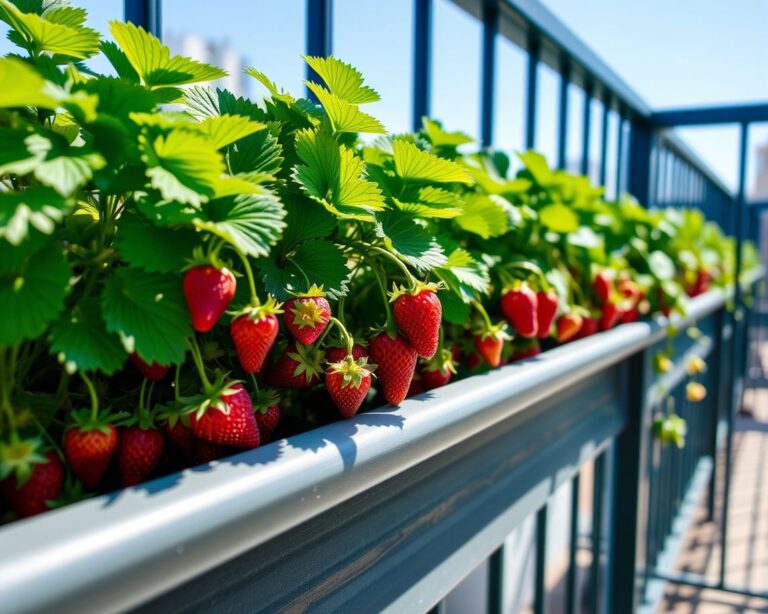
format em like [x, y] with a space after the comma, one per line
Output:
[120, 550]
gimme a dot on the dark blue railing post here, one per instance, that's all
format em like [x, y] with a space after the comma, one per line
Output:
[629, 522]
[586, 126]
[422, 61]
[144, 13]
[639, 163]
[532, 80]
[562, 120]
[488, 85]
[604, 139]
[319, 34]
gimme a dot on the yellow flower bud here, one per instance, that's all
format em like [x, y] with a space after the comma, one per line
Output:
[695, 392]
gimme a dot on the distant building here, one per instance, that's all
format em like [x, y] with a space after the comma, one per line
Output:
[218, 53]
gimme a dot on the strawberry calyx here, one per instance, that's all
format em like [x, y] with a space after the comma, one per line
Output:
[308, 314]
[84, 420]
[353, 371]
[172, 414]
[309, 361]
[200, 258]
[212, 397]
[264, 399]
[443, 362]
[418, 288]
[258, 311]
[492, 331]
[314, 291]
[19, 457]
[72, 492]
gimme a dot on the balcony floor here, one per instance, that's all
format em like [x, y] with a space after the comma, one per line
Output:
[747, 554]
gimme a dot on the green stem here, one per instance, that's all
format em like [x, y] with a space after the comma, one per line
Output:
[344, 333]
[412, 281]
[142, 391]
[149, 395]
[176, 384]
[303, 274]
[249, 274]
[383, 287]
[479, 306]
[255, 382]
[92, 392]
[51, 440]
[197, 358]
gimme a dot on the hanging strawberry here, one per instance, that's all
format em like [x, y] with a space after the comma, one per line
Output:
[307, 314]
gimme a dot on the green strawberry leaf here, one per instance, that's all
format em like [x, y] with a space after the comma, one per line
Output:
[559, 218]
[441, 138]
[119, 98]
[205, 102]
[224, 130]
[432, 202]
[345, 117]
[410, 240]
[39, 34]
[313, 262]
[33, 296]
[333, 176]
[119, 62]
[538, 167]
[153, 62]
[39, 208]
[486, 216]
[29, 88]
[154, 248]
[464, 275]
[259, 153]
[182, 166]
[81, 341]
[305, 220]
[250, 222]
[455, 310]
[661, 266]
[148, 311]
[411, 163]
[343, 80]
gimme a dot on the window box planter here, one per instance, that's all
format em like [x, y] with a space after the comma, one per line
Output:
[390, 508]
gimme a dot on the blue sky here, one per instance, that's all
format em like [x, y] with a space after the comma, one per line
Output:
[674, 53]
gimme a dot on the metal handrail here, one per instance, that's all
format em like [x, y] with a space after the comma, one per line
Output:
[117, 551]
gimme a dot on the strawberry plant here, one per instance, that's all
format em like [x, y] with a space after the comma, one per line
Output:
[171, 254]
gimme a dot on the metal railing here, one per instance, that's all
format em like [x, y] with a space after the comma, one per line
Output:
[392, 509]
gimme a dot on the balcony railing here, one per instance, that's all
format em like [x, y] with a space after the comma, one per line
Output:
[392, 509]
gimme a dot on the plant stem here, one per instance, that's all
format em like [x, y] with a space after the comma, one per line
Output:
[383, 287]
[92, 392]
[412, 281]
[249, 274]
[344, 333]
[176, 384]
[197, 358]
[142, 390]
[303, 274]
[479, 306]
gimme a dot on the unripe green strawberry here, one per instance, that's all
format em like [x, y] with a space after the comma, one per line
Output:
[418, 314]
[208, 292]
[396, 360]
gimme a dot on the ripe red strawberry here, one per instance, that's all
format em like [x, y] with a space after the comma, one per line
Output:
[474, 360]
[602, 285]
[253, 333]
[568, 326]
[530, 350]
[43, 486]
[348, 383]
[438, 370]
[610, 315]
[268, 419]
[416, 387]
[299, 366]
[307, 315]
[396, 360]
[226, 417]
[139, 453]
[181, 437]
[206, 452]
[266, 408]
[490, 345]
[546, 310]
[154, 372]
[589, 326]
[208, 291]
[89, 448]
[337, 354]
[520, 307]
[629, 315]
[418, 314]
